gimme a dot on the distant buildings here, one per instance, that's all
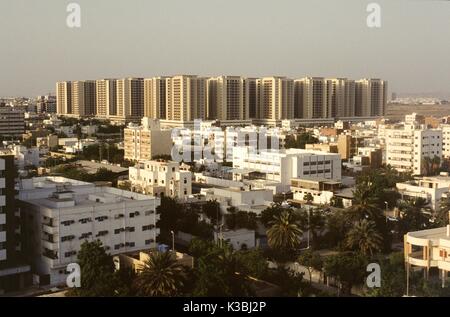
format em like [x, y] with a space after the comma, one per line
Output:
[179, 100]
[59, 214]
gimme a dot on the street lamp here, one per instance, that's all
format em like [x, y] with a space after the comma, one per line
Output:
[173, 240]
[386, 214]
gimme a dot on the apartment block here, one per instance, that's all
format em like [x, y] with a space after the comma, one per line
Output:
[155, 97]
[342, 97]
[370, 97]
[276, 98]
[313, 98]
[409, 147]
[12, 121]
[143, 142]
[186, 98]
[84, 98]
[106, 94]
[60, 214]
[228, 98]
[161, 178]
[64, 97]
[130, 100]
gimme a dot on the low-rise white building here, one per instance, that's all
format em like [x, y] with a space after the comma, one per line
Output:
[429, 188]
[428, 249]
[283, 165]
[161, 178]
[251, 200]
[239, 239]
[26, 156]
[59, 214]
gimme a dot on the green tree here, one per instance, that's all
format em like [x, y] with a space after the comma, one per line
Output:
[312, 261]
[364, 238]
[348, 269]
[308, 197]
[161, 276]
[220, 273]
[97, 270]
[393, 277]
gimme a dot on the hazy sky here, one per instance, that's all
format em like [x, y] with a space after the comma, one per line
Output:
[295, 38]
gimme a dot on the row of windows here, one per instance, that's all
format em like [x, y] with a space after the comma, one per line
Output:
[103, 218]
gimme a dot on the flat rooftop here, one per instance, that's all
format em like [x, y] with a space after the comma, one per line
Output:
[431, 234]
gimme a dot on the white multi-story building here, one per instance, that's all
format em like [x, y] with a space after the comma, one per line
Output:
[283, 165]
[59, 214]
[161, 178]
[143, 142]
[409, 146]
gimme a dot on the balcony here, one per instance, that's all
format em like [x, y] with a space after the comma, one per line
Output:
[2, 255]
[49, 229]
[2, 236]
[2, 183]
[2, 219]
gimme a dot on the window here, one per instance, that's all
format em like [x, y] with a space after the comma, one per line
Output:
[150, 241]
[117, 231]
[146, 228]
[69, 254]
[130, 229]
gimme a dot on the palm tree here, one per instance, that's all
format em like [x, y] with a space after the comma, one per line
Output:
[364, 238]
[284, 233]
[161, 276]
[365, 203]
[415, 215]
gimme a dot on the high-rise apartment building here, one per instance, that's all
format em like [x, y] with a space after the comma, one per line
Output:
[186, 98]
[276, 98]
[106, 94]
[84, 98]
[155, 97]
[370, 97]
[342, 97]
[253, 98]
[313, 98]
[130, 99]
[64, 97]
[228, 98]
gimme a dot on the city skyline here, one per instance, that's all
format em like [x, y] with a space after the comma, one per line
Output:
[296, 39]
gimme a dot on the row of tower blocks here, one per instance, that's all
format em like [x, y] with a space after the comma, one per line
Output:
[187, 98]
